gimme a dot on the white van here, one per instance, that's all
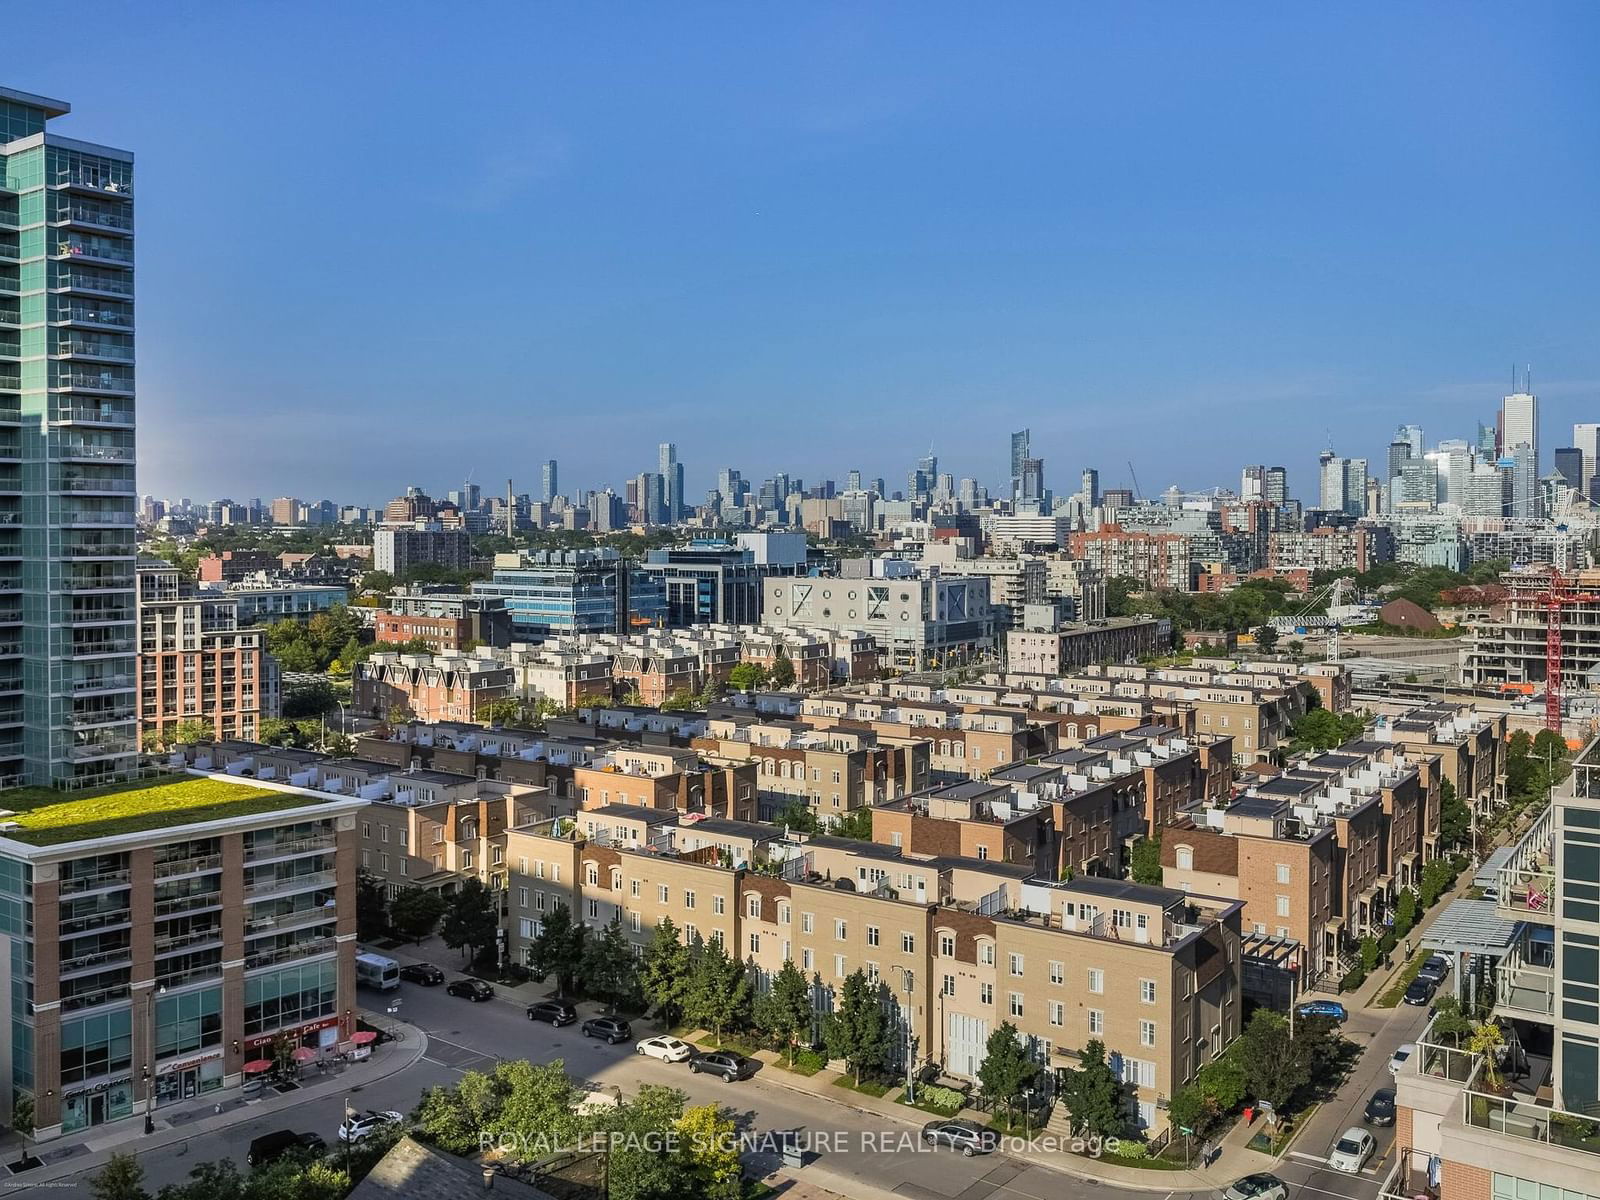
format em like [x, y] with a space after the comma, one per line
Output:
[376, 971]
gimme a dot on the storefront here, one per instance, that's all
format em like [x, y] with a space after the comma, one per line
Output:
[97, 1104]
[316, 1034]
[188, 1077]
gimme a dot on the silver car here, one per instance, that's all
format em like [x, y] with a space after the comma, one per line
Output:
[966, 1136]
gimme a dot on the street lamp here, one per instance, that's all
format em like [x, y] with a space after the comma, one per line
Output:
[150, 1058]
[911, 1082]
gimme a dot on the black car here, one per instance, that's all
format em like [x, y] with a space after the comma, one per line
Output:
[270, 1146]
[1435, 969]
[426, 974]
[1380, 1109]
[556, 1012]
[1420, 992]
[612, 1029]
[472, 989]
[725, 1064]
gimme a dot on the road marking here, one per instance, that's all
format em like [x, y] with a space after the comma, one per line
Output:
[1311, 1158]
[1306, 1187]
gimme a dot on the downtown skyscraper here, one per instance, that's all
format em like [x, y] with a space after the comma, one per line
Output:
[68, 699]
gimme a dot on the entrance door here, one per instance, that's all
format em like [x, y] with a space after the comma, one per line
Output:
[965, 1042]
[97, 1108]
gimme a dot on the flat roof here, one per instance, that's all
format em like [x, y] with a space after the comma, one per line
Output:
[967, 789]
[866, 849]
[1257, 806]
[750, 829]
[52, 108]
[989, 866]
[1121, 889]
[370, 765]
[435, 776]
[1473, 926]
[635, 812]
[48, 817]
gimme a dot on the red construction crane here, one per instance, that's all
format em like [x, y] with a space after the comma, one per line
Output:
[1558, 596]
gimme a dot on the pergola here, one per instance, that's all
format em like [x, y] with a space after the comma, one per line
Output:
[1469, 927]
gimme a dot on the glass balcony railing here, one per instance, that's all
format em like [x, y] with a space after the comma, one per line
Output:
[282, 954]
[99, 958]
[93, 180]
[168, 942]
[109, 487]
[10, 314]
[1525, 1118]
[280, 922]
[88, 314]
[101, 250]
[10, 380]
[94, 451]
[89, 348]
[189, 975]
[290, 847]
[102, 683]
[92, 281]
[194, 864]
[74, 884]
[95, 997]
[104, 748]
[289, 884]
[96, 517]
[95, 414]
[95, 921]
[194, 902]
[103, 381]
[83, 214]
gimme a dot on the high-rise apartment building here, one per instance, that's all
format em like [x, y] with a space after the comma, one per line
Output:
[671, 483]
[285, 510]
[1586, 437]
[1020, 450]
[67, 390]
[1355, 486]
[195, 662]
[1331, 482]
[548, 480]
[1091, 487]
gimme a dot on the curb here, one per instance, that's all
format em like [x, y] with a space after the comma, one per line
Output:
[171, 1135]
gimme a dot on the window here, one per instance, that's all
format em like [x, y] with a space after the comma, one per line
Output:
[872, 935]
[838, 966]
[1097, 980]
[593, 875]
[752, 906]
[947, 945]
[986, 993]
[522, 897]
[983, 852]
[755, 943]
[633, 887]
[1283, 906]
[805, 959]
[1184, 858]
[1097, 1021]
[840, 930]
[805, 922]
[1016, 1004]
[717, 905]
[783, 914]
[908, 943]
[661, 893]
[949, 985]
[1058, 972]
[594, 908]
[383, 833]
[1147, 991]
[528, 928]
[986, 953]
[872, 973]
[1147, 1033]
[1016, 965]
[1283, 872]
[633, 922]
[366, 830]
[1058, 1012]
[688, 898]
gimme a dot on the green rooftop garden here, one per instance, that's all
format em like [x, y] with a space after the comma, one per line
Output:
[49, 817]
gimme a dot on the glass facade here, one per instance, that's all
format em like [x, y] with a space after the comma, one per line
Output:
[577, 591]
[67, 499]
[290, 996]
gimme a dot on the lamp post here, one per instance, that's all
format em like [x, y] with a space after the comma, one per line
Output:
[149, 1060]
[911, 1082]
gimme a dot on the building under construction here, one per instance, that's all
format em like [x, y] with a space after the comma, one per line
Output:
[1514, 644]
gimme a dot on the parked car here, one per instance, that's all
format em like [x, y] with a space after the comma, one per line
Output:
[556, 1012]
[271, 1146]
[724, 1064]
[1351, 1151]
[1435, 969]
[470, 989]
[426, 974]
[966, 1136]
[357, 1126]
[1419, 992]
[1322, 1008]
[1380, 1109]
[1400, 1055]
[1263, 1185]
[667, 1049]
[612, 1029]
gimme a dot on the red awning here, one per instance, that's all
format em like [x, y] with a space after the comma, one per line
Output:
[305, 1054]
[363, 1037]
[256, 1066]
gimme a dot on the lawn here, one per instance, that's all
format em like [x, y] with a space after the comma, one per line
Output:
[730, 1042]
[49, 817]
[867, 1087]
[1397, 990]
[806, 1062]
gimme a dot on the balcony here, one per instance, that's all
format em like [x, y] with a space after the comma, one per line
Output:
[89, 348]
[77, 885]
[291, 884]
[78, 485]
[10, 314]
[95, 720]
[102, 251]
[290, 848]
[168, 943]
[313, 948]
[85, 179]
[94, 452]
[195, 864]
[195, 902]
[88, 519]
[102, 683]
[94, 414]
[97, 218]
[189, 975]
[88, 314]
[92, 999]
[100, 958]
[1527, 885]
[10, 380]
[1408, 1178]
[114, 919]
[104, 381]
[298, 919]
[1525, 1116]
[104, 748]
[96, 283]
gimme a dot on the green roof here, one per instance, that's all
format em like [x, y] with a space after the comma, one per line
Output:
[48, 817]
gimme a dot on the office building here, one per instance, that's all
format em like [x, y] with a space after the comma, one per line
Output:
[161, 950]
[550, 592]
[1020, 450]
[1399, 455]
[1586, 437]
[397, 549]
[672, 506]
[1412, 436]
[196, 663]
[1090, 491]
[549, 484]
[262, 599]
[1520, 468]
[67, 379]
[1569, 465]
[917, 623]
[1331, 480]
[1355, 486]
[713, 581]
[1519, 424]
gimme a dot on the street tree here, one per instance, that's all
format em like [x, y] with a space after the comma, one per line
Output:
[1006, 1069]
[451, 1117]
[718, 993]
[416, 912]
[1275, 1068]
[122, 1178]
[471, 922]
[664, 971]
[746, 677]
[857, 1030]
[708, 1150]
[783, 1012]
[782, 671]
[608, 969]
[558, 949]
[1267, 638]
[372, 908]
[1093, 1095]
[1455, 818]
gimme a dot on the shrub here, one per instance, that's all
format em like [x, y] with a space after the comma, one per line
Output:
[940, 1097]
[1353, 980]
[1387, 942]
[1128, 1148]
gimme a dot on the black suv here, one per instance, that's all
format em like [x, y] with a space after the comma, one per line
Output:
[612, 1029]
[725, 1064]
[270, 1146]
[472, 989]
[426, 974]
[556, 1012]
[1380, 1109]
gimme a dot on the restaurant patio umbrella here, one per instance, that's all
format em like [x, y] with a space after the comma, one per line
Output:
[363, 1037]
[304, 1054]
[256, 1066]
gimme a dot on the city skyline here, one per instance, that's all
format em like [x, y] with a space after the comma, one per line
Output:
[809, 262]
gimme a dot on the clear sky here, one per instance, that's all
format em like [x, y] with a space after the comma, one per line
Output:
[387, 243]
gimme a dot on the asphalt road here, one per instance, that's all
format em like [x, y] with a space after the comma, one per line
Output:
[862, 1149]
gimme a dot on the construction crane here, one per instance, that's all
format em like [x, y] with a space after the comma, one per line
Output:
[1132, 475]
[1553, 599]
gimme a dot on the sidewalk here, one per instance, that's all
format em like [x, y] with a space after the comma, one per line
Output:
[178, 1123]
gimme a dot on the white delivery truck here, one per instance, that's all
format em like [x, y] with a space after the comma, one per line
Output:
[376, 971]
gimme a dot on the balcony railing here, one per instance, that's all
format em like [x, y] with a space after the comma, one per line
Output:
[80, 962]
[283, 954]
[94, 414]
[290, 848]
[290, 884]
[1437, 1058]
[1527, 884]
[192, 865]
[80, 314]
[103, 382]
[105, 995]
[90, 180]
[94, 921]
[189, 975]
[90, 349]
[95, 453]
[104, 251]
[184, 904]
[1526, 1118]
[290, 920]
[97, 517]
[80, 281]
[167, 943]
[84, 215]
[72, 885]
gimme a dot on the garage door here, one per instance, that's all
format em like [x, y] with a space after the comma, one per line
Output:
[965, 1041]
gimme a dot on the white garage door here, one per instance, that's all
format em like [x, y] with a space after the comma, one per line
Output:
[966, 1039]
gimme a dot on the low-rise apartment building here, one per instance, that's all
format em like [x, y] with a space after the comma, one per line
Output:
[448, 620]
[917, 623]
[1073, 646]
[965, 742]
[438, 687]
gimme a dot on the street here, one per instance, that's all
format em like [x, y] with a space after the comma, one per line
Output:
[867, 1150]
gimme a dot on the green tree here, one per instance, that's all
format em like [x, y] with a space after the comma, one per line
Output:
[782, 671]
[507, 710]
[309, 699]
[797, 817]
[747, 677]
[857, 824]
[1006, 1069]
[218, 1180]
[1369, 955]
[1267, 638]
[452, 1117]
[708, 1153]
[1120, 593]
[679, 701]
[1449, 1022]
[22, 1114]
[122, 1178]
[189, 733]
[536, 1100]
[718, 993]
[1320, 729]
[471, 921]
[276, 731]
[377, 581]
[293, 1178]
[372, 908]
[636, 1169]
[1455, 818]
[1405, 913]
[416, 912]
[783, 1012]
[558, 948]
[1274, 1068]
[1145, 864]
[664, 971]
[857, 1030]
[1093, 1095]
[609, 969]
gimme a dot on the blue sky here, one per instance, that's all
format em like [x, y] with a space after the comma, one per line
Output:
[381, 246]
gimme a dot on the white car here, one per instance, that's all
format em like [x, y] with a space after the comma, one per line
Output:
[359, 1125]
[667, 1049]
[1260, 1186]
[1351, 1151]
[1400, 1057]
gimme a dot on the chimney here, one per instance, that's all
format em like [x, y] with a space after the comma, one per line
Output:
[488, 1179]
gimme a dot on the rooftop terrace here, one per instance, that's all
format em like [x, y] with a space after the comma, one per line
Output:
[44, 817]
